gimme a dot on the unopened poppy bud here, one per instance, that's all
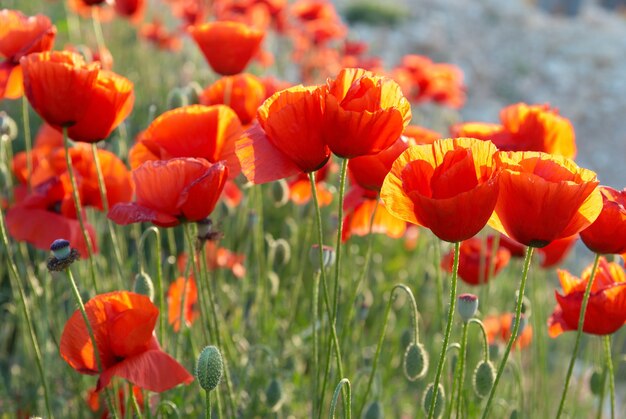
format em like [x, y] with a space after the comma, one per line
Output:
[176, 98]
[143, 285]
[209, 368]
[415, 361]
[282, 251]
[467, 306]
[328, 256]
[374, 411]
[279, 193]
[274, 394]
[62, 255]
[596, 383]
[514, 414]
[193, 91]
[484, 376]
[439, 402]
[8, 127]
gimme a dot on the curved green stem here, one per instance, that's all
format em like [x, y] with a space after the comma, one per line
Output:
[485, 340]
[142, 266]
[28, 142]
[347, 393]
[609, 367]
[461, 373]
[342, 187]
[514, 332]
[133, 400]
[446, 336]
[579, 333]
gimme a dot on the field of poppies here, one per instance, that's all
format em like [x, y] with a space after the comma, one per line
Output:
[232, 209]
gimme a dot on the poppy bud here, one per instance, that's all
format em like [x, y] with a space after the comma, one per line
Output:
[484, 376]
[206, 231]
[439, 403]
[176, 98]
[143, 285]
[374, 411]
[514, 414]
[282, 251]
[193, 91]
[8, 127]
[279, 193]
[62, 255]
[415, 361]
[209, 368]
[328, 256]
[468, 304]
[274, 394]
[596, 382]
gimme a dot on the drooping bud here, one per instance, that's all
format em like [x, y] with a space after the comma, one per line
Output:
[279, 193]
[62, 255]
[143, 285]
[176, 98]
[439, 402]
[193, 91]
[484, 377]
[8, 127]
[274, 394]
[415, 361]
[374, 411]
[328, 256]
[467, 306]
[282, 251]
[209, 368]
[596, 382]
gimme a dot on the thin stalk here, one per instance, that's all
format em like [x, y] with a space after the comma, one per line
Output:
[29, 323]
[514, 332]
[182, 321]
[446, 336]
[602, 390]
[28, 142]
[438, 280]
[344, 383]
[208, 404]
[316, 366]
[485, 340]
[609, 367]
[461, 373]
[579, 333]
[97, 29]
[142, 266]
[342, 187]
[133, 400]
[79, 210]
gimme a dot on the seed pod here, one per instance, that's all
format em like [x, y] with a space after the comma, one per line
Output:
[143, 285]
[328, 256]
[468, 304]
[62, 256]
[439, 403]
[273, 394]
[209, 368]
[484, 376]
[415, 361]
[374, 411]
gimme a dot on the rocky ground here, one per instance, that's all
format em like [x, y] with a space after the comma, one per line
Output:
[511, 51]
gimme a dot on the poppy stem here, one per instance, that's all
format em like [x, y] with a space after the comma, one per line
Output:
[579, 332]
[208, 404]
[79, 209]
[446, 336]
[13, 272]
[485, 340]
[133, 400]
[514, 332]
[609, 367]
[461, 370]
[97, 29]
[142, 266]
[28, 142]
[343, 384]
[438, 280]
[316, 314]
[342, 187]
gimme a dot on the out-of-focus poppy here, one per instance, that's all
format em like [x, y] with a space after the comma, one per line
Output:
[156, 33]
[364, 113]
[552, 254]
[420, 134]
[130, 9]
[169, 192]
[607, 234]
[473, 256]
[174, 300]
[228, 46]
[300, 188]
[20, 35]
[543, 198]
[525, 128]
[94, 402]
[606, 309]
[244, 93]
[317, 23]
[218, 258]
[96, 9]
[498, 329]
[450, 187]
[273, 85]
[123, 324]
[287, 139]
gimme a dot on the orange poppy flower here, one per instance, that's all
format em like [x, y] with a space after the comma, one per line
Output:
[317, 22]
[552, 254]
[543, 198]
[450, 187]
[498, 329]
[207, 132]
[525, 128]
[131, 9]
[20, 35]
[607, 234]
[369, 171]
[359, 207]
[123, 324]
[287, 139]
[228, 46]
[218, 258]
[174, 298]
[273, 85]
[169, 192]
[244, 93]
[606, 309]
[364, 113]
[421, 135]
[300, 188]
[156, 33]
[474, 255]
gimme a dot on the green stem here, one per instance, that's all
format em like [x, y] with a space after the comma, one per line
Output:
[579, 333]
[208, 404]
[342, 187]
[446, 336]
[514, 332]
[461, 373]
[133, 400]
[97, 29]
[485, 340]
[79, 210]
[602, 391]
[438, 280]
[609, 367]
[29, 323]
[316, 366]
[344, 383]
[28, 142]
[142, 265]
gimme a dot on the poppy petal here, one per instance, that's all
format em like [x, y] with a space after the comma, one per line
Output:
[131, 212]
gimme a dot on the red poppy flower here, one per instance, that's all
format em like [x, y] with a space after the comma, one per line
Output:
[606, 309]
[369, 171]
[94, 402]
[364, 113]
[244, 93]
[123, 324]
[171, 191]
[156, 33]
[421, 135]
[552, 254]
[20, 35]
[300, 188]
[207, 132]
[498, 329]
[474, 255]
[131, 9]
[607, 234]
[174, 299]
[525, 128]
[450, 187]
[218, 258]
[287, 139]
[228, 46]
[317, 22]
[544, 198]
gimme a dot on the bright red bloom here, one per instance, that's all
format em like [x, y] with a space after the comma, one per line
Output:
[218, 258]
[606, 309]
[20, 35]
[421, 135]
[131, 9]
[364, 113]
[474, 255]
[607, 234]
[525, 128]
[544, 198]
[244, 93]
[174, 300]
[317, 23]
[123, 324]
[156, 33]
[552, 254]
[498, 329]
[300, 188]
[169, 192]
[450, 187]
[369, 171]
[228, 46]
